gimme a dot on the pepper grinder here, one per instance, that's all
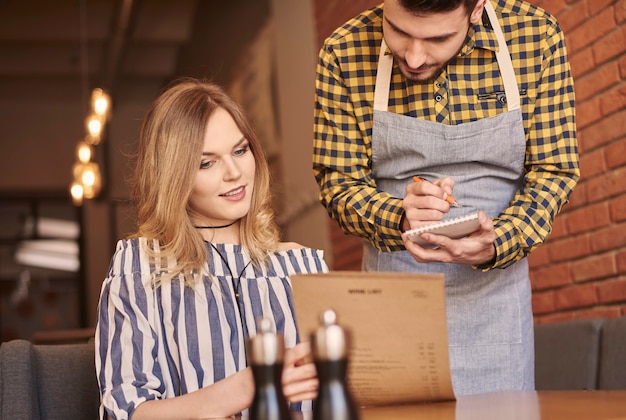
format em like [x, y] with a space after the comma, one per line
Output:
[265, 352]
[330, 345]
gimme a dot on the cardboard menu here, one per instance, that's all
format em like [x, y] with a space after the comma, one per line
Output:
[397, 324]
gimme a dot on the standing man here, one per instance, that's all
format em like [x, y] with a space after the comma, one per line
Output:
[477, 97]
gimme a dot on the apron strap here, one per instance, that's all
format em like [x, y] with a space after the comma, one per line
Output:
[385, 65]
[504, 62]
[383, 78]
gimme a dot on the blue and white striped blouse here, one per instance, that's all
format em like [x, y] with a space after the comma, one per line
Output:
[155, 343]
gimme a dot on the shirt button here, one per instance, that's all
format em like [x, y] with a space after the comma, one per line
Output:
[438, 84]
[438, 98]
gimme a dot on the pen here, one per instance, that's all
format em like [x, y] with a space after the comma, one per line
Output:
[451, 200]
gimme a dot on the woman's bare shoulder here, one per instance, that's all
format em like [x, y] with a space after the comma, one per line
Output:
[286, 246]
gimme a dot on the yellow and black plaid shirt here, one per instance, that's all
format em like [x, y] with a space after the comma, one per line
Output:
[346, 76]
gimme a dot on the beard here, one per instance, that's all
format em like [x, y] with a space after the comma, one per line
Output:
[425, 74]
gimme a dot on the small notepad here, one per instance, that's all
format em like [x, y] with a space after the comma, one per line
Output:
[454, 228]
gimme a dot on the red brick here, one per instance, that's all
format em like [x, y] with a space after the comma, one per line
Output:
[587, 113]
[591, 30]
[582, 62]
[554, 7]
[597, 81]
[349, 261]
[539, 257]
[565, 210]
[594, 267]
[618, 208]
[605, 131]
[550, 277]
[543, 302]
[606, 312]
[559, 227]
[622, 66]
[613, 100]
[596, 6]
[555, 317]
[612, 291]
[570, 248]
[578, 296]
[577, 198]
[592, 163]
[571, 18]
[331, 14]
[608, 185]
[620, 259]
[580, 136]
[611, 46]
[620, 11]
[616, 152]
[612, 237]
[589, 218]
[347, 249]
[345, 243]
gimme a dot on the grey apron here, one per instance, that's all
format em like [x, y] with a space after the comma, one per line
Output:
[490, 325]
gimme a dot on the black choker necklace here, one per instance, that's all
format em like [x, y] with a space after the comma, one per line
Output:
[216, 227]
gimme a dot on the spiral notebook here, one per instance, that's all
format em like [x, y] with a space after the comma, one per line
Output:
[456, 228]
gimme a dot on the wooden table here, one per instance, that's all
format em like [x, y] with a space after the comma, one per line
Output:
[517, 405]
[510, 405]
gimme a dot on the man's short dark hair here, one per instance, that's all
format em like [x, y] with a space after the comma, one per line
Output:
[420, 7]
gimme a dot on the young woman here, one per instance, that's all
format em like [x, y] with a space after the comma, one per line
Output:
[184, 293]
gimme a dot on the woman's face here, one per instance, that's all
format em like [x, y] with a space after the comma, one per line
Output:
[222, 192]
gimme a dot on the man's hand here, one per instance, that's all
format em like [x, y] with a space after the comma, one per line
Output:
[477, 248]
[425, 202]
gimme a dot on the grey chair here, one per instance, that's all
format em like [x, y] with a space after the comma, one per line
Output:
[48, 382]
[613, 354]
[567, 354]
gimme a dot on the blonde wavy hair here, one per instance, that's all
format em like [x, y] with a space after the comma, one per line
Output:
[167, 161]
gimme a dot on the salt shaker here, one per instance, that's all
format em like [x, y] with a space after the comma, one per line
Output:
[330, 346]
[265, 352]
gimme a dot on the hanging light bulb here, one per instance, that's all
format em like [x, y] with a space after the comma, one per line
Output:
[91, 180]
[88, 177]
[100, 102]
[95, 126]
[76, 190]
[84, 152]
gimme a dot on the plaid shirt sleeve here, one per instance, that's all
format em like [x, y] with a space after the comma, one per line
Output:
[552, 165]
[342, 156]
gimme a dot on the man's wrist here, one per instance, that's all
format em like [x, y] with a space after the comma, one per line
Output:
[403, 221]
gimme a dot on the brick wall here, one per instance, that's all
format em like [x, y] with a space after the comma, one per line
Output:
[581, 270]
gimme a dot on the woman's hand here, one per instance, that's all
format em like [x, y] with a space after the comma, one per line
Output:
[299, 375]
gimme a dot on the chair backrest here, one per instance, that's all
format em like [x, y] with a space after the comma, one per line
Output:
[48, 382]
[567, 354]
[613, 355]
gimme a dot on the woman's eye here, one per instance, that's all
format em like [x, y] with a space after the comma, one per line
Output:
[205, 164]
[242, 151]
